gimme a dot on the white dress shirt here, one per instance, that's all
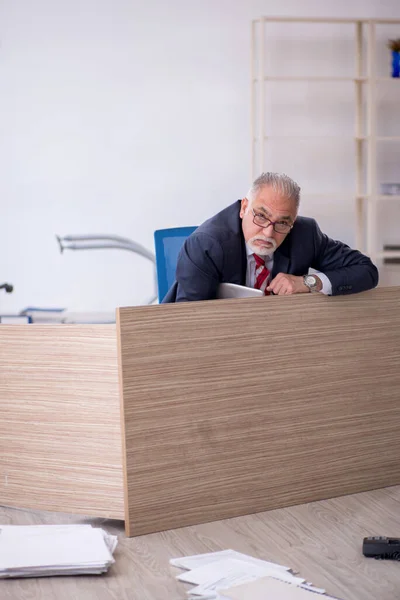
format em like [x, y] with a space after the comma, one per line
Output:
[269, 263]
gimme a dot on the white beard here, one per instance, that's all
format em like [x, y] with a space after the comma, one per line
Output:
[260, 250]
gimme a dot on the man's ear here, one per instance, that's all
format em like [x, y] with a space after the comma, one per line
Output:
[243, 207]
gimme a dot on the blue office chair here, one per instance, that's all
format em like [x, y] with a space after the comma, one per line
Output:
[168, 242]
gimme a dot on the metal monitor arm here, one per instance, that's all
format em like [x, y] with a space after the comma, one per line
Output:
[101, 242]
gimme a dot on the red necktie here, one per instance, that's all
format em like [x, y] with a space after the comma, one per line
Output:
[262, 273]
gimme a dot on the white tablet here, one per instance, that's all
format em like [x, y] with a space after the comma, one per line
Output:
[233, 290]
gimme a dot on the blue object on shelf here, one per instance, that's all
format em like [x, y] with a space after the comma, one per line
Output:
[168, 243]
[395, 63]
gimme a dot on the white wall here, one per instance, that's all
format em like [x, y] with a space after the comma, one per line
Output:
[122, 117]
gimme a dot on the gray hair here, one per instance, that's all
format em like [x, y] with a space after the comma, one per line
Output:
[279, 182]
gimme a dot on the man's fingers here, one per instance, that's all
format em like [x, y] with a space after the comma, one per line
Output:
[271, 286]
[278, 285]
[281, 288]
[272, 283]
[283, 285]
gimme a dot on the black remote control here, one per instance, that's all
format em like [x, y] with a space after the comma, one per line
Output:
[382, 547]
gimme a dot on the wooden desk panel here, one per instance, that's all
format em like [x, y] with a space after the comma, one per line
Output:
[234, 407]
[60, 440]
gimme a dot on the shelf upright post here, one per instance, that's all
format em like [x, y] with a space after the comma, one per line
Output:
[253, 84]
[371, 141]
[261, 89]
[359, 136]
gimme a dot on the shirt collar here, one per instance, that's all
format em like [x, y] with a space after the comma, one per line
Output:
[250, 252]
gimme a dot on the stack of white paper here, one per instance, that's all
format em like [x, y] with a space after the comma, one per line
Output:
[226, 569]
[44, 550]
[44, 315]
[88, 317]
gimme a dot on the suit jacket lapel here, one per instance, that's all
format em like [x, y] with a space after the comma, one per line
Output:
[243, 257]
[238, 258]
[282, 258]
[281, 264]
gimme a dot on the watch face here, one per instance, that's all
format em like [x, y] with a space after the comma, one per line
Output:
[311, 280]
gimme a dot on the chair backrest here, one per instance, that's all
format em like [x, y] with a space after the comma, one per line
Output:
[168, 242]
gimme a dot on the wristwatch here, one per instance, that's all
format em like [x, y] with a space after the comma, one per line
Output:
[311, 282]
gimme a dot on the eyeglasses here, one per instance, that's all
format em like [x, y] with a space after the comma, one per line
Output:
[261, 221]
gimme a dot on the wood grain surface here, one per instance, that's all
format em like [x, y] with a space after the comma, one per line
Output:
[321, 540]
[60, 437]
[238, 406]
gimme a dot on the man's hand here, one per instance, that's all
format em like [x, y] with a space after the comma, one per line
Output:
[284, 284]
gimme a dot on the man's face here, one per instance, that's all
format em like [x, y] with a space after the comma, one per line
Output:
[268, 204]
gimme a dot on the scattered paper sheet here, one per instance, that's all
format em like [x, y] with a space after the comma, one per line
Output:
[230, 570]
[197, 560]
[267, 587]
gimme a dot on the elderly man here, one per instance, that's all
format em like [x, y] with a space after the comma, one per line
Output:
[260, 242]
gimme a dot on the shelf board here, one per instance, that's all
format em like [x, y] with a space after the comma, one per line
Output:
[311, 78]
[379, 197]
[389, 254]
[384, 138]
[362, 138]
[310, 20]
[385, 21]
[328, 194]
[316, 78]
[327, 21]
[379, 138]
[311, 137]
[377, 79]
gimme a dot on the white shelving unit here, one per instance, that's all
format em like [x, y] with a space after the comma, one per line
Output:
[366, 189]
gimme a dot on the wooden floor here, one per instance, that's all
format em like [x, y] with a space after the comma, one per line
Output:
[321, 540]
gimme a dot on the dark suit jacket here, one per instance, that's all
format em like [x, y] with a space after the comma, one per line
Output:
[216, 253]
